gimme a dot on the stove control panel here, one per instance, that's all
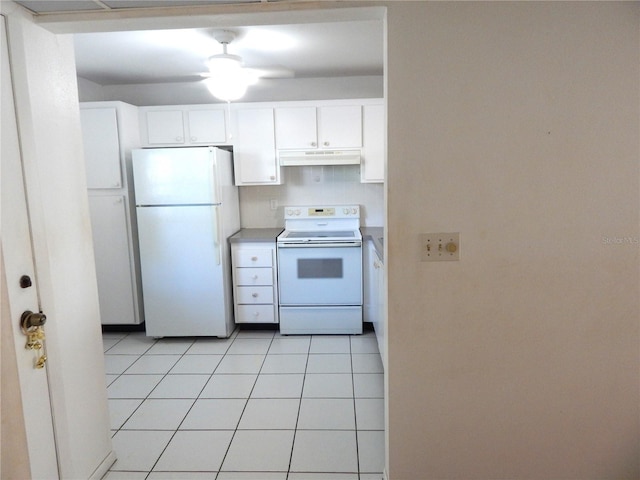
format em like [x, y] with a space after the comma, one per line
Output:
[337, 211]
[322, 212]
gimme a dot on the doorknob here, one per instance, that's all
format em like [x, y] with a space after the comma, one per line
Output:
[30, 319]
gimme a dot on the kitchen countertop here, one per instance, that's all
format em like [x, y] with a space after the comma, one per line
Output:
[255, 235]
[376, 235]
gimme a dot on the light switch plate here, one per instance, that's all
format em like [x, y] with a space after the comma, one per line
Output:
[439, 247]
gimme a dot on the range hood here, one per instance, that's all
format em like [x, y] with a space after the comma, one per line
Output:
[295, 158]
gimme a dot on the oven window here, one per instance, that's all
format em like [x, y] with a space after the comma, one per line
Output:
[320, 268]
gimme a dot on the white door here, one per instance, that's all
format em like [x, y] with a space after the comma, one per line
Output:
[30, 382]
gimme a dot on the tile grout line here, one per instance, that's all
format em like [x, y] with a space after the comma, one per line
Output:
[140, 355]
[295, 429]
[151, 391]
[235, 431]
[355, 412]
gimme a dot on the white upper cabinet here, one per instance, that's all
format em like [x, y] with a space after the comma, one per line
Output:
[161, 126]
[296, 128]
[207, 126]
[322, 127]
[101, 147]
[165, 127]
[373, 152]
[254, 151]
[340, 127]
[257, 131]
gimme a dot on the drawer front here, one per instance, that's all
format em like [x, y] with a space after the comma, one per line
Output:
[254, 276]
[255, 314]
[254, 295]
[253, 257]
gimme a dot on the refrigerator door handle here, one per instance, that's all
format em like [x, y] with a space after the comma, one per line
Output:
[216, 181]
[217, 234]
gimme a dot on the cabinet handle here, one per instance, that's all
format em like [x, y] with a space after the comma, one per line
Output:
[272, 177]
[256, 314]
[178, 139]
[194, 139]
[253, 259]
[254, 295]
[326, 144]
[313, 144]
[255, 277]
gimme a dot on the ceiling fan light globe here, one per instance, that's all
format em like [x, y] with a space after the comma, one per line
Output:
[226, 89]
[224, 63]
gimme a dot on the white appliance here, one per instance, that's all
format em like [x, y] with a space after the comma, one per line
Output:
[187, 207]
[320, 270]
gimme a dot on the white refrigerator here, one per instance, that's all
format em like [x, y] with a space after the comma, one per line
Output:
[187, 208]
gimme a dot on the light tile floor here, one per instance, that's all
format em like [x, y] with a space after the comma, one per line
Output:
[256, 406]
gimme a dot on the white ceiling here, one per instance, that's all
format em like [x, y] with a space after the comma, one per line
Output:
[302, 51]
[310, 50]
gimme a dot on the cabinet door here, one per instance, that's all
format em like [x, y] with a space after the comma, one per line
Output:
[369, 282]
[101, 147]
[373, 152]
[207, 126]
[113, 262]
[254, 150]
[165, 127]
[340, 126]
[380, 324]
[296, 128]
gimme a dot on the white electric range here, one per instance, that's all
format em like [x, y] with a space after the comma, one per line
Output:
[320, 270]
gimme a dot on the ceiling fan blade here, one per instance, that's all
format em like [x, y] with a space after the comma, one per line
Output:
[272, 72]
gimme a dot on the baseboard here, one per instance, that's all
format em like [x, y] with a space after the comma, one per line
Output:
[104, 467]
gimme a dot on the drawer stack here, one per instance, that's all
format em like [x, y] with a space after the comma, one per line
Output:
[255, 283]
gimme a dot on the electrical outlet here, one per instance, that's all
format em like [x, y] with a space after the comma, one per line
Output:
[439, 247]
[273, 203]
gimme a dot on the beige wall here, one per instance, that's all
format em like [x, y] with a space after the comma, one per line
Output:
[516, 125]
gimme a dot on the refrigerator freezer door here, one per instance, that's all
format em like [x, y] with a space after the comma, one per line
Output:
[182, 272]
[175, 176]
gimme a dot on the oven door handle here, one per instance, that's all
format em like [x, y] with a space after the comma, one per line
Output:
[318, 245]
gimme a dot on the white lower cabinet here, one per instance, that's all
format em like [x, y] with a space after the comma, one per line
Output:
[115, 272]
[374, 296]
[255, 282]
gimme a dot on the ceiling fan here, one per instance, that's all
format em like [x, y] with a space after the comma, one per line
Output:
[228, 78]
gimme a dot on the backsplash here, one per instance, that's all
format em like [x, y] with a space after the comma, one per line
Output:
[322, 185]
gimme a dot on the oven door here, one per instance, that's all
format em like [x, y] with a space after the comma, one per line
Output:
[320, 274]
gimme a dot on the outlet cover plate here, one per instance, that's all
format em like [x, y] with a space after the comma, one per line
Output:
[439, 247]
